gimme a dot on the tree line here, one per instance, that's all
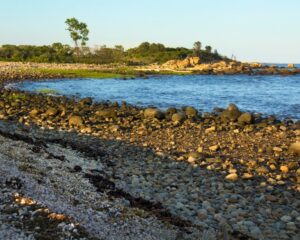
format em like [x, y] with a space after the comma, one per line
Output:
[145, 53]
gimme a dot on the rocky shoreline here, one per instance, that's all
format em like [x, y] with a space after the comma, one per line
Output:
[34, 71]
[178, 174]
[195, 66]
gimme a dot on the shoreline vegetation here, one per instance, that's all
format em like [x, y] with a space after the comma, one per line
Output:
[225, 175]
[146, 53]
[104, 62]
[34, 71]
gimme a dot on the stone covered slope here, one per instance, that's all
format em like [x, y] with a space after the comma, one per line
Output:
[115, 180]
[46, 193]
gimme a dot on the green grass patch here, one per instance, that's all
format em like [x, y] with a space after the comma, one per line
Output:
[47, 91]
[84, 73]
[17, 96]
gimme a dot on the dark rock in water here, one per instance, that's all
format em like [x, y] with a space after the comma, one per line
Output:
[190, 112]
[124, 105]
[271, 119]
[178, 117]
[288, 121]
[86, 101]
[245, 118]
[153, 113]
[75, 121]
[218, 110]
[257, 117]
[232, 113]
[115, 104]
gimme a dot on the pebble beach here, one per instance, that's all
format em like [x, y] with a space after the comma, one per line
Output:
[104, 170]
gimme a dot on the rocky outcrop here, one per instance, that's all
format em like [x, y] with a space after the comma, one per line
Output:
[193, 64]
[181, 64]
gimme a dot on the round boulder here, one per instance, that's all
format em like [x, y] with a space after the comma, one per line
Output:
[232, 177]
[232, 113]
[170, 111]
[245, 118]
[232, 108]
[75, 121]
[295, 148]
[178, 117]
[152, 113]
[190, 111]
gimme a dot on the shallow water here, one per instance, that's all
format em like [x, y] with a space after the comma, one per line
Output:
[276, 95]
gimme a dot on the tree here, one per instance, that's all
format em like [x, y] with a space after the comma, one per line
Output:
[119, 48]
[208, 49]
[197, 48]
[78, 31]
[144, 47]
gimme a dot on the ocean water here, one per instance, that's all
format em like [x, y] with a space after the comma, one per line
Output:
[270, 95]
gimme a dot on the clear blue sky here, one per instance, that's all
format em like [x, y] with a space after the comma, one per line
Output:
[253, 30]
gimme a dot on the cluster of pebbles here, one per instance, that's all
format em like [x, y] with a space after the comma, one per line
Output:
[117, 171]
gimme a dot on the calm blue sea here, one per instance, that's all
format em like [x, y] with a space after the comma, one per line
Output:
[276, 95]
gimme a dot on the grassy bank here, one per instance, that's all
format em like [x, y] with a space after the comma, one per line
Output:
[113, 73]
[84, 73]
